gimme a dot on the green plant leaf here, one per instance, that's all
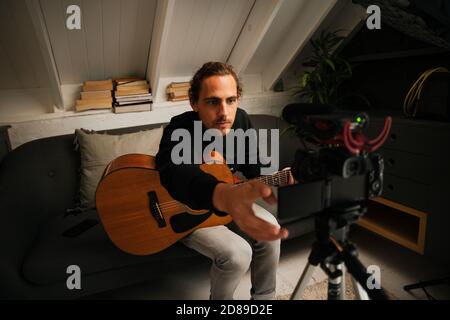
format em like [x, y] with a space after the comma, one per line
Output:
[349, 68]
[319, 78]
[330, 63]
[329, 70]
[334, 41]
[321, 97]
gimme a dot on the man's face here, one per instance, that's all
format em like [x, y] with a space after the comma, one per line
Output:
[217, 103]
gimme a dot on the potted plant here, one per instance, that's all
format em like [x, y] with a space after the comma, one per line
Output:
[321, 85]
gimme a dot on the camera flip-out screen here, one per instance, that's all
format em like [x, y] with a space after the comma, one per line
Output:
[301, 200]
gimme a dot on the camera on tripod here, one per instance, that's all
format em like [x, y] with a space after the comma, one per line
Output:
[337, 161]
[336, 171]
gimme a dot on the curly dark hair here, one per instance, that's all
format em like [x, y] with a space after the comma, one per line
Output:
[210, 69]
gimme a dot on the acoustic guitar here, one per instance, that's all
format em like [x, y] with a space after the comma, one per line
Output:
[139, 215]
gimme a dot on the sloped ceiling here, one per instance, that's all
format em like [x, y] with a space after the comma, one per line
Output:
[168, 39]
[114, 39]
[201, 31]
[21, 65]
[289, 12]
[259, 37]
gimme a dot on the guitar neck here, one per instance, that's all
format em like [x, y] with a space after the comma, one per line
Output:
[281, 178]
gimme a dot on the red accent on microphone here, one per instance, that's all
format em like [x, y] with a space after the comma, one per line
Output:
[378, 141]
[359, 142]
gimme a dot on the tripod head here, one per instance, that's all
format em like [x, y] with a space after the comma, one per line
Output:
[331, 227]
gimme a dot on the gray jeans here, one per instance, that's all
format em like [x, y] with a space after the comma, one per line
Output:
[232, 252]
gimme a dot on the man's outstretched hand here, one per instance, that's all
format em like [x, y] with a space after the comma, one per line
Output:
[237, 201]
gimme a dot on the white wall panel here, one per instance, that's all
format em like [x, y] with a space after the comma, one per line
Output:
[201, 31]
[21, 61]
[276, 35]
[114, 39]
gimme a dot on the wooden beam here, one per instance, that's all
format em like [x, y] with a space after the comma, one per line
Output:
[312, 15]
[158, 48]
[258, 22]
[35, 12]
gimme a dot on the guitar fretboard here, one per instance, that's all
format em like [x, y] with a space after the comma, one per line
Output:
[278, 179]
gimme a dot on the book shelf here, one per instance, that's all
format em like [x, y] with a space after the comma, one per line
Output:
[401, 224]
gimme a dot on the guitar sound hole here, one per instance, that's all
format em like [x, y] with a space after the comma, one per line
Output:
[185, 221]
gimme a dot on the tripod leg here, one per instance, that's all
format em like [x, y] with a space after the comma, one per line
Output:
[336, 286]
[303, 282]
[343, 283]
[358, 271]
[360, 293]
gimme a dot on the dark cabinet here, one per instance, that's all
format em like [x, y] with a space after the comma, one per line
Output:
[5, 145]
[414, 209]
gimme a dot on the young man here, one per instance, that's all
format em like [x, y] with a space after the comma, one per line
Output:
[253, 240]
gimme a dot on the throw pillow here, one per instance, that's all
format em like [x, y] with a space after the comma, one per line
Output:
[98, 150]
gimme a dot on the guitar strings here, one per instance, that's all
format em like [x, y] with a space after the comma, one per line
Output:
[284, 179]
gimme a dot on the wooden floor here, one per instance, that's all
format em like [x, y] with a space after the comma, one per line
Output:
[399, 266]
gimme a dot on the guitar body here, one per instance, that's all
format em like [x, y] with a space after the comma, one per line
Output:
[137, 212]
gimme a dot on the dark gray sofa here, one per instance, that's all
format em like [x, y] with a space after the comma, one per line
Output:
[38, 183]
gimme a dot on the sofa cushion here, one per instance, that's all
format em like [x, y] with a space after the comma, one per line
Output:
[92, 251]
[98, 150]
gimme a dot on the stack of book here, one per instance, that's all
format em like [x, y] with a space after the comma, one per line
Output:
[132, 95]
[95, 95]
[178, 91]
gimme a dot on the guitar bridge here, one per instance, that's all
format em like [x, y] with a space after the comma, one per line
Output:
[155, 209]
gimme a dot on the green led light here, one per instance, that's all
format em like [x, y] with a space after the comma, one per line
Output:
[358, 119]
